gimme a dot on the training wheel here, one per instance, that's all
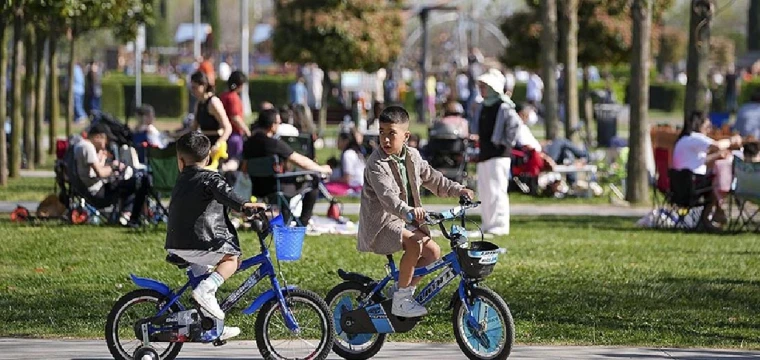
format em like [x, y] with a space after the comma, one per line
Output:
[145, 353]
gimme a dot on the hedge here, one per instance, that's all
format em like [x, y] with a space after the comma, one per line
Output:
[668, 97]
[171, 100]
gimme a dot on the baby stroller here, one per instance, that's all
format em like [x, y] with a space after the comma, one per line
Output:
[446, 151]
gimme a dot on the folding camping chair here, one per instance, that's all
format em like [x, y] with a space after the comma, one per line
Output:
[686, 201]
[746, 194]
[270, 167]
[660, 183]
[162, 175]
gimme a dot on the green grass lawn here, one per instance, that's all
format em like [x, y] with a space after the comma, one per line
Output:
[570, 280]
[27, 189]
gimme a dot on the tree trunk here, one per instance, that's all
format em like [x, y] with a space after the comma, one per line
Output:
[588, 107]
[549, 66]
[39, 86]
[29, 94]
[326, 90]
[3, 99]
[698, 59]
[70, 103]
[569, 53]
[753, 26]
[55, 103]
[638, 180]
[14, 166]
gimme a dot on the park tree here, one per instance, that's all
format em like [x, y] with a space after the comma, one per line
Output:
[698, 61]
[338, 35]
[604, 36]
[82, 16]
[5, 20]
[549, 65]
[14, 163]
[637, 181]
[29, 93]
[568, 45]
[722, 52]
[210, 15]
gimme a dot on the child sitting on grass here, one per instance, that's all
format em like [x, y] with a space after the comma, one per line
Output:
[199, 228]
[392, 178]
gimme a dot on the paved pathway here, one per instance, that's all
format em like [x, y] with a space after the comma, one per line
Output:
[94, 349]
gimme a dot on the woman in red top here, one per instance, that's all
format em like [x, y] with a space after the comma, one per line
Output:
[233, 106]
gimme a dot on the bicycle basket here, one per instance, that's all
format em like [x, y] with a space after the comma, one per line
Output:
[477, 261]
[288, 242]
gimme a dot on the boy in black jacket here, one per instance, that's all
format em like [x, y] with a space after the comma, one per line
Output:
[199, 228]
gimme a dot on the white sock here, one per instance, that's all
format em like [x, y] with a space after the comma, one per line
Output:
[407, 291]
[214, 281]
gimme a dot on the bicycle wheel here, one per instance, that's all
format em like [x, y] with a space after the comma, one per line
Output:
[123, 335]
[315, 335]
[493, 335]
[343, 298]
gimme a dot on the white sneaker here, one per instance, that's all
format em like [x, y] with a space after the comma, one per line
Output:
[404, 304]
[206, 298]
[391, 290]
[229, 332]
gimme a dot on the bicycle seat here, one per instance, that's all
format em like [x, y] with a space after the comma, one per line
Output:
[177, 261]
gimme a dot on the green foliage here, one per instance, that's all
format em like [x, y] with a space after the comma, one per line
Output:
[122, 16]
[268, 88]
[604, 32]
[748, 89]
[338, 35]
[673, 42]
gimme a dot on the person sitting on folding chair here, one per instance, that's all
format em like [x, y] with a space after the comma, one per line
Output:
[705, 158]
[263, 144]
[103, 181]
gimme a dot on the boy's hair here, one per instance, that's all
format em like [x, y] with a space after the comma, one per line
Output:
[751, 149]
[193, 147]
[267, 118]
[98, 129]
[394, 114]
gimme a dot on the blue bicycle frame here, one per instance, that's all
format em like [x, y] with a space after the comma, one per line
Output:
[265, 269]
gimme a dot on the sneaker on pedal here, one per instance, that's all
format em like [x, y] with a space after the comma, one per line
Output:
[229, 332]
[390, 290]
[207, 300]
[404, 304]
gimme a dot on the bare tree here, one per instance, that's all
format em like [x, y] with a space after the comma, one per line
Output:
[549, 65]
[568, 25]
[697, 63]
[638, 180]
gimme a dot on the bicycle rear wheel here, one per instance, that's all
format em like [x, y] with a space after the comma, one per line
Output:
[343, 298]
[314, 338]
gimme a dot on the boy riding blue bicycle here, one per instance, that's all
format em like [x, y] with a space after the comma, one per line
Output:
[390, 196]
[199, 229]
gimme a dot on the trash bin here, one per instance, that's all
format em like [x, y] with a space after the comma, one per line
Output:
[606, 116]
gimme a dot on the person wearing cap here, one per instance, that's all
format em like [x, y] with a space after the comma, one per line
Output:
[498, 125]
[233, 106]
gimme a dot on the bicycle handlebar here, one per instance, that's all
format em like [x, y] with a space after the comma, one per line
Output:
[435, 218]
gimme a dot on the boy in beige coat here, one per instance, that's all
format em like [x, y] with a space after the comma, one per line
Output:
[392, 178]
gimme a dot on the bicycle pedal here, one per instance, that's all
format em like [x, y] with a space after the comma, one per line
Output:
[218, 342]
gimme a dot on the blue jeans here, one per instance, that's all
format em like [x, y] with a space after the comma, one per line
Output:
[79, 107]
[95, 103]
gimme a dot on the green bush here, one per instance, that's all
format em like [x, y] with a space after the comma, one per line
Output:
[666, 97]
[168, 100]
[112, 101]
[748, 88]
[268, 88]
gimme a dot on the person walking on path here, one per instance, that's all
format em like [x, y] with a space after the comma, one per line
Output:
[497, 128]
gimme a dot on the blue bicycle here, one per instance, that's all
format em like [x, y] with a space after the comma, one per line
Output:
[483, 324]
[151, 323]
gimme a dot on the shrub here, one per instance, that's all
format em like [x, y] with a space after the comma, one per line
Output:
[667, 97]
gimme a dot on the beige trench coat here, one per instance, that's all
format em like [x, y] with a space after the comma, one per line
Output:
[383, 200]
